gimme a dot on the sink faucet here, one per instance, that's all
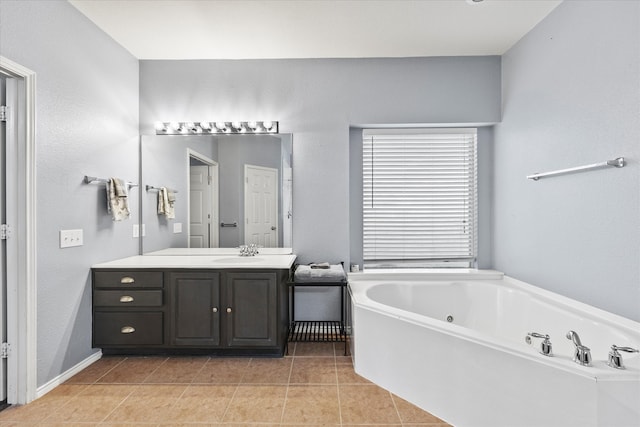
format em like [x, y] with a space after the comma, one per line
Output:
[249, 250]
[582, 354]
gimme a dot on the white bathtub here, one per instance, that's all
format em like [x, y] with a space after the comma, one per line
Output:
[477, 370]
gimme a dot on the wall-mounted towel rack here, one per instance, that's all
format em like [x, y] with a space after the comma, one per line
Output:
[153, 188]
[89, 179]
[618, 163]
[228, 224]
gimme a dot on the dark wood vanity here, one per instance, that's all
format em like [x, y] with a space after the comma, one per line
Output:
[226, 311]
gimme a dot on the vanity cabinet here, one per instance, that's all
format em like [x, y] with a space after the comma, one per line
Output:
[128, 308]
[195, 309]
[251, 309]
[213, 311]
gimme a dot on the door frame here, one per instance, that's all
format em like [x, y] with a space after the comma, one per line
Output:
[214, 236]
[21, 290]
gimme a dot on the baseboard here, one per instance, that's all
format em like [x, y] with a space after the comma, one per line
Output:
[55, 382]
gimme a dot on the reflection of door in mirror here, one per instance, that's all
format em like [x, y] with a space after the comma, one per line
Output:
[203, 202]
[260, 206]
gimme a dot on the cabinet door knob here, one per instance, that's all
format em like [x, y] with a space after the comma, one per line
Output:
[214, 309]
[126, 298]
[127, 330]
[228, 309]
[127, 280]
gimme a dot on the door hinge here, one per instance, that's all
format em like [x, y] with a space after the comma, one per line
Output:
[4, 232]
[5, 349]
[3, 113]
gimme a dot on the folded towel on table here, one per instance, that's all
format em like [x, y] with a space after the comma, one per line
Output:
[320, 265]
[117, 199]
[166, 200]
[306, 273]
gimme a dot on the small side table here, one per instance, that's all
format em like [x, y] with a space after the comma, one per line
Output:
[318, 330]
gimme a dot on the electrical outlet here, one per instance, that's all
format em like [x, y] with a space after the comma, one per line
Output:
[70, 238]
[177, 227]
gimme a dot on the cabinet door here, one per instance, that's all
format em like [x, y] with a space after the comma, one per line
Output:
[195, 302]
[252, 309]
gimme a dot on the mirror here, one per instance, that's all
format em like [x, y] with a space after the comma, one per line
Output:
[228, 189]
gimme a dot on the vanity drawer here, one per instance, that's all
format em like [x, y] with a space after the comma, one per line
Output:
[131, 279]
[127, 298]
[110, 328]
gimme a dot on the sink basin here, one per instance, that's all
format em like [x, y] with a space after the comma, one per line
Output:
[238, 260]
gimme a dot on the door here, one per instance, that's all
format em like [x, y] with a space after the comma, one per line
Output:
[3, 245]
[261, 206]
[201, 206]
[195, 302]
[251, 310]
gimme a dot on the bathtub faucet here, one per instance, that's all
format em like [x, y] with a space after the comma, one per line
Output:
[615, 358]
[545, 346]
[582, 354]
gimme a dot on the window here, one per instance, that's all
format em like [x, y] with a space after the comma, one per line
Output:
[419, 198]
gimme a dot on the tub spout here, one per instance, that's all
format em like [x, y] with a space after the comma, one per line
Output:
[581, 354]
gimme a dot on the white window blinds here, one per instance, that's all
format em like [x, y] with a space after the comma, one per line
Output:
[419, 197]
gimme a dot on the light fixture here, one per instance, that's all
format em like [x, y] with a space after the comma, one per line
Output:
[213, 127]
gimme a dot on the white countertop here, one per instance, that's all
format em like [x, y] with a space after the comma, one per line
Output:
[260, 261]
[216, 251]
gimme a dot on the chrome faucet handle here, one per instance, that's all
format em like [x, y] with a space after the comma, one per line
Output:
[615, 358]
[545, 346]
[582, 354]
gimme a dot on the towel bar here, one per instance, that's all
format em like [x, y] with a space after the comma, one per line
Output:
[152, 188]
[89, 179]
[618, 163]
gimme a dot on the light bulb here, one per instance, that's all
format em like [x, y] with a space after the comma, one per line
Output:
[267, 125]
[160, 127]
[206, 126]
[221, 125]
[252, 125]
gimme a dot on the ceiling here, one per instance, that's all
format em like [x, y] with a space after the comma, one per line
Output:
[255, 29]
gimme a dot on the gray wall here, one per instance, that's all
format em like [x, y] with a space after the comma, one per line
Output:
[318, 100]
[87, 123]
[571, 96]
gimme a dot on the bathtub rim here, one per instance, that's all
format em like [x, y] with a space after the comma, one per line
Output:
[599, 371]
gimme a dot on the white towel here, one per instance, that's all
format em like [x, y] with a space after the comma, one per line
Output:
[117, 199]
[166, 200]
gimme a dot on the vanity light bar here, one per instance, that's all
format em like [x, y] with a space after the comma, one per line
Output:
[198, 128]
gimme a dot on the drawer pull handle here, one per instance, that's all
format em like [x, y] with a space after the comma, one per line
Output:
[126, 298]
[228, 309]
[127, 330]
[214, 309]
[127, 280]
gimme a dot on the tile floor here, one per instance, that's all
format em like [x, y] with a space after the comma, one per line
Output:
[314, 386]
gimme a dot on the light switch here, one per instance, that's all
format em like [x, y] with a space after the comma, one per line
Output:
[177, 227]
[136, 230]
[70, 238]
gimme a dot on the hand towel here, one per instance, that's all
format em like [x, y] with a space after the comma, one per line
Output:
[117, 199]
[166, 200]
